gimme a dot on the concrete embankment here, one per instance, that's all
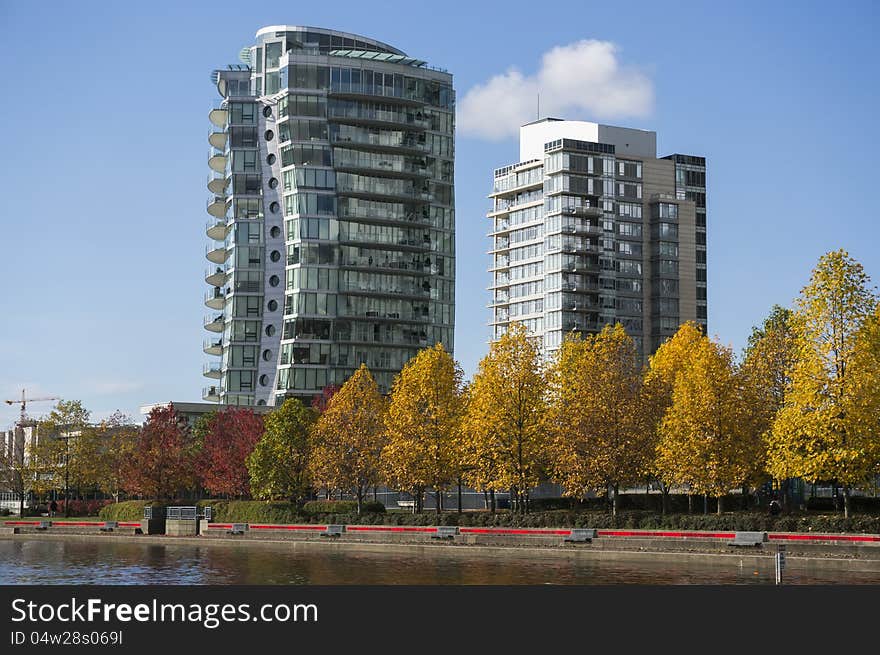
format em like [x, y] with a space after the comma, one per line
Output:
[804, 551]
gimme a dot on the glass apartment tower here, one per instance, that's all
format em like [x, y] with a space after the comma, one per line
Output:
[590, 228]
[332, 215]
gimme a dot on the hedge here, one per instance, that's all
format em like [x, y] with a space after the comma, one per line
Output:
[127, 510]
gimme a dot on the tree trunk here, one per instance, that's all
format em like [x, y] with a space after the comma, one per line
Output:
[720, 507]
[360, 496]
[846, 503]
[614, 501]
[664, 498]
[492, 505]
[459, 495]
[437, 498]
[705, 503]
[690, 503]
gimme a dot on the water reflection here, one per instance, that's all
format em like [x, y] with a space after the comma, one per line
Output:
[125, 562]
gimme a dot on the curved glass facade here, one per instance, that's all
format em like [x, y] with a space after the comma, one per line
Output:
[339, 242]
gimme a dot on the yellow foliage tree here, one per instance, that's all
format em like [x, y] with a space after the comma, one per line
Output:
[670, 359]
[709, 438]
[819, 433]
[596, 419]
[504, 436]
[422, 425]
[348, 437]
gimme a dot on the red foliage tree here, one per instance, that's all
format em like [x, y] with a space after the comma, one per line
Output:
[320, 401]
[162, 461]
[231, 436]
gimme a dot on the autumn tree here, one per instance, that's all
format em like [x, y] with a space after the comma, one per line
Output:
[767, 363]
[66, 442]
[819, 433]
[422, 425]
[117, 436]
[503, 433]
[348, 437]
[596, 420]
[279, 464]
[664, 367]
[22, 470]
[230, 436]
[709, 438]
[162, 460]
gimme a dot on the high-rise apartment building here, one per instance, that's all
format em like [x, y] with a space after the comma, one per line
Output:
[591, 228]
[332, 214]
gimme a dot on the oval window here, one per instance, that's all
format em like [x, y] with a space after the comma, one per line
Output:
[272, 305]
[274, 207]
[267, 112]
[275, 256]
[275, 231]
[264, 380]
[270, 159]
[267, 355]
[273, 281]
[269, 135]
[270, 330]
[273, 182]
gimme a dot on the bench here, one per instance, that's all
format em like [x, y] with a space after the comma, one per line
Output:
[333, 531]
[238, 528]
[748, 539]
[445, 532]
[582, 535]
[44, 525]
[406, 504]
[109, 526]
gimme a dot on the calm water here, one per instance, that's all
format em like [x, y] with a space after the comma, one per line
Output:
[121, 563]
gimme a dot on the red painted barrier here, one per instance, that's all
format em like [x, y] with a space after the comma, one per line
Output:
[21, 523]
[287, 527]
[387, 528]
[78, 524]
[129, 525]
[515, 531]
[219, 526]
[673, 535]
[788, 536]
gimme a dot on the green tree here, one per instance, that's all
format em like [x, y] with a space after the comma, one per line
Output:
[422, 425]
[816, 435]
[596, 418]
[279, 463]
[65, 439]
[503, 431]
[349, 435]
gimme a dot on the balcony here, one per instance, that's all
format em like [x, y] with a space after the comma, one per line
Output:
[216, 277]
[219, 116]
[218, 140]
[212, 370]
[217, 230]
[361, 115]
[216, 254]
[217, 184]
[582, 210]
[214, 323]
[212, 394]
[217, 162]
[215, 298]
[585, 228]
[212, 346]
[216, 206]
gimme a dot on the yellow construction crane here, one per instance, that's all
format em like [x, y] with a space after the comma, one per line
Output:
[24, 401]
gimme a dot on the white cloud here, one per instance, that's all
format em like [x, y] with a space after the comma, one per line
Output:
[579, 81]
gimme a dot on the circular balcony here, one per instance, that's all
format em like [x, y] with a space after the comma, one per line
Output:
[217, 254]
[216, 206]
[217, 230]
[212, 346]
[218, 140]
[219, 117]
[214, 323]
[216, 277]
[218, 163]
[212, 394]
[212, 370]
[217, 184]
[215, 298]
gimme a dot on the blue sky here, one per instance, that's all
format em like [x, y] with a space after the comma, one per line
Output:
[105, 125]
